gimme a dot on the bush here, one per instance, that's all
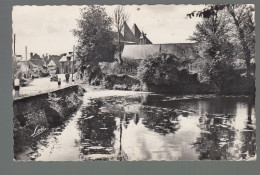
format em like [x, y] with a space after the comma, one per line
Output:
[120, 87]
[164, 73]
[136, 87]
[129, 66]
[159, 70]
[124, 80]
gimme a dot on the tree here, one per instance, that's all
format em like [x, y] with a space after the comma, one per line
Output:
[159, 71]
[212, 37]
[242, 18]
[120, 16]
[217, 50]
[95, 40]
[16, 68]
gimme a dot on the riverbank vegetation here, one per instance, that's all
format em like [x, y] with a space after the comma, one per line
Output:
[224, 63]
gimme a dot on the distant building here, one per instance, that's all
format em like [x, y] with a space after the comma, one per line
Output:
[53, 64]
[35, 56]
[19, 58]
[66, 63]
[183, 51]
[134, 36]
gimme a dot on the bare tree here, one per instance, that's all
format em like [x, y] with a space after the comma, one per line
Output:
[120, 16]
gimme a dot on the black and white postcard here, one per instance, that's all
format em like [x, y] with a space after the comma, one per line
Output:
[134, 82]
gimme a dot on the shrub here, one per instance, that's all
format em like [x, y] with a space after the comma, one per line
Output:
[159, 70]
[120, 87]
[111, 80]
[136, 87]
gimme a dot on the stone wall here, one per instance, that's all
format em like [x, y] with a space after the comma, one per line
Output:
[45, 111]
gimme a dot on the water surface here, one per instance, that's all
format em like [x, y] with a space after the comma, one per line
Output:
[114, 125]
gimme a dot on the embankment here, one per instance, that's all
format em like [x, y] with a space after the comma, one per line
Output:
[35, 116]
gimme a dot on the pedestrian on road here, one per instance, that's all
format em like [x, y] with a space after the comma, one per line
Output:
[59, 82]
[67, 77]
[16, 86]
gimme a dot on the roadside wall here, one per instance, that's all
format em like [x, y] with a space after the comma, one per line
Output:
[35, 116]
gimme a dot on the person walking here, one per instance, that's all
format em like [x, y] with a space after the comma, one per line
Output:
[17, 86]
[59, 82]
[67, 76]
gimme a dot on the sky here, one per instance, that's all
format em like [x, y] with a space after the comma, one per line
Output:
[47, 29]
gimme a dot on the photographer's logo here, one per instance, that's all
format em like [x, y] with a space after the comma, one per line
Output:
[38, 130]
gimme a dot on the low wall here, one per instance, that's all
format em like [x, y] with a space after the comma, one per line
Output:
[36, 115]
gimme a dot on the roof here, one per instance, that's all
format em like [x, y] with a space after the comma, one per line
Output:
[136, 31]
[55, 59]
[65, 59]
[180, 50]
[129, 36]
[52, 63]
[36, 62]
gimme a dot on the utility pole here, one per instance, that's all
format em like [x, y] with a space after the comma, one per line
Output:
[27, 68]
[14, 44]
[73, 62]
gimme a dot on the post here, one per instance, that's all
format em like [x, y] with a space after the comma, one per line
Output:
[73, 63]
[14, 43]
[27, 67]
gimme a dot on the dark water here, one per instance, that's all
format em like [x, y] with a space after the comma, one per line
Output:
[156, 127]
[140, 126]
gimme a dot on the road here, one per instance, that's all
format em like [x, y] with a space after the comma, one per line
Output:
[42, 85]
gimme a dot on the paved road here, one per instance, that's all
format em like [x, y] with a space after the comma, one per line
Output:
[41, 85]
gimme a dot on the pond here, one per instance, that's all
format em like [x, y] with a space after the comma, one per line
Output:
[134, 126]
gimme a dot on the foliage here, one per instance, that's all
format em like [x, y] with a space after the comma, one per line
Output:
[242, 18]
[127, 66]
[120, 87]
[222, 73]
[95, 40]
[136, 87]
[120, 80]
[213, 36]
[159, 70]
[16, 68]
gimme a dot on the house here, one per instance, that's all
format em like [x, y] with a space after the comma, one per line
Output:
[66, 63]
[36, 65]
[19, 58]
[53, 64]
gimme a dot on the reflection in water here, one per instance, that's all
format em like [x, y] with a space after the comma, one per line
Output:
[141, 126]
[155, 127]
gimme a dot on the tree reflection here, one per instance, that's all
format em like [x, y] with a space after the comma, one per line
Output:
[160, 120]
[97, 132]
[220, 140]
[104, 122]
[248, 135]
[216, 137]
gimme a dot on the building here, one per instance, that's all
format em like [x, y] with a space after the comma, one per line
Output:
[53, 64]
[66, 63]
[182, 51]
[137, 46]
[134, 36]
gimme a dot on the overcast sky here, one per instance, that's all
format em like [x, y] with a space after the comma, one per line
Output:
[47, 29]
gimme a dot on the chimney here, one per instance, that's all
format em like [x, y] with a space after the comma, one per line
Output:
[31, 54]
